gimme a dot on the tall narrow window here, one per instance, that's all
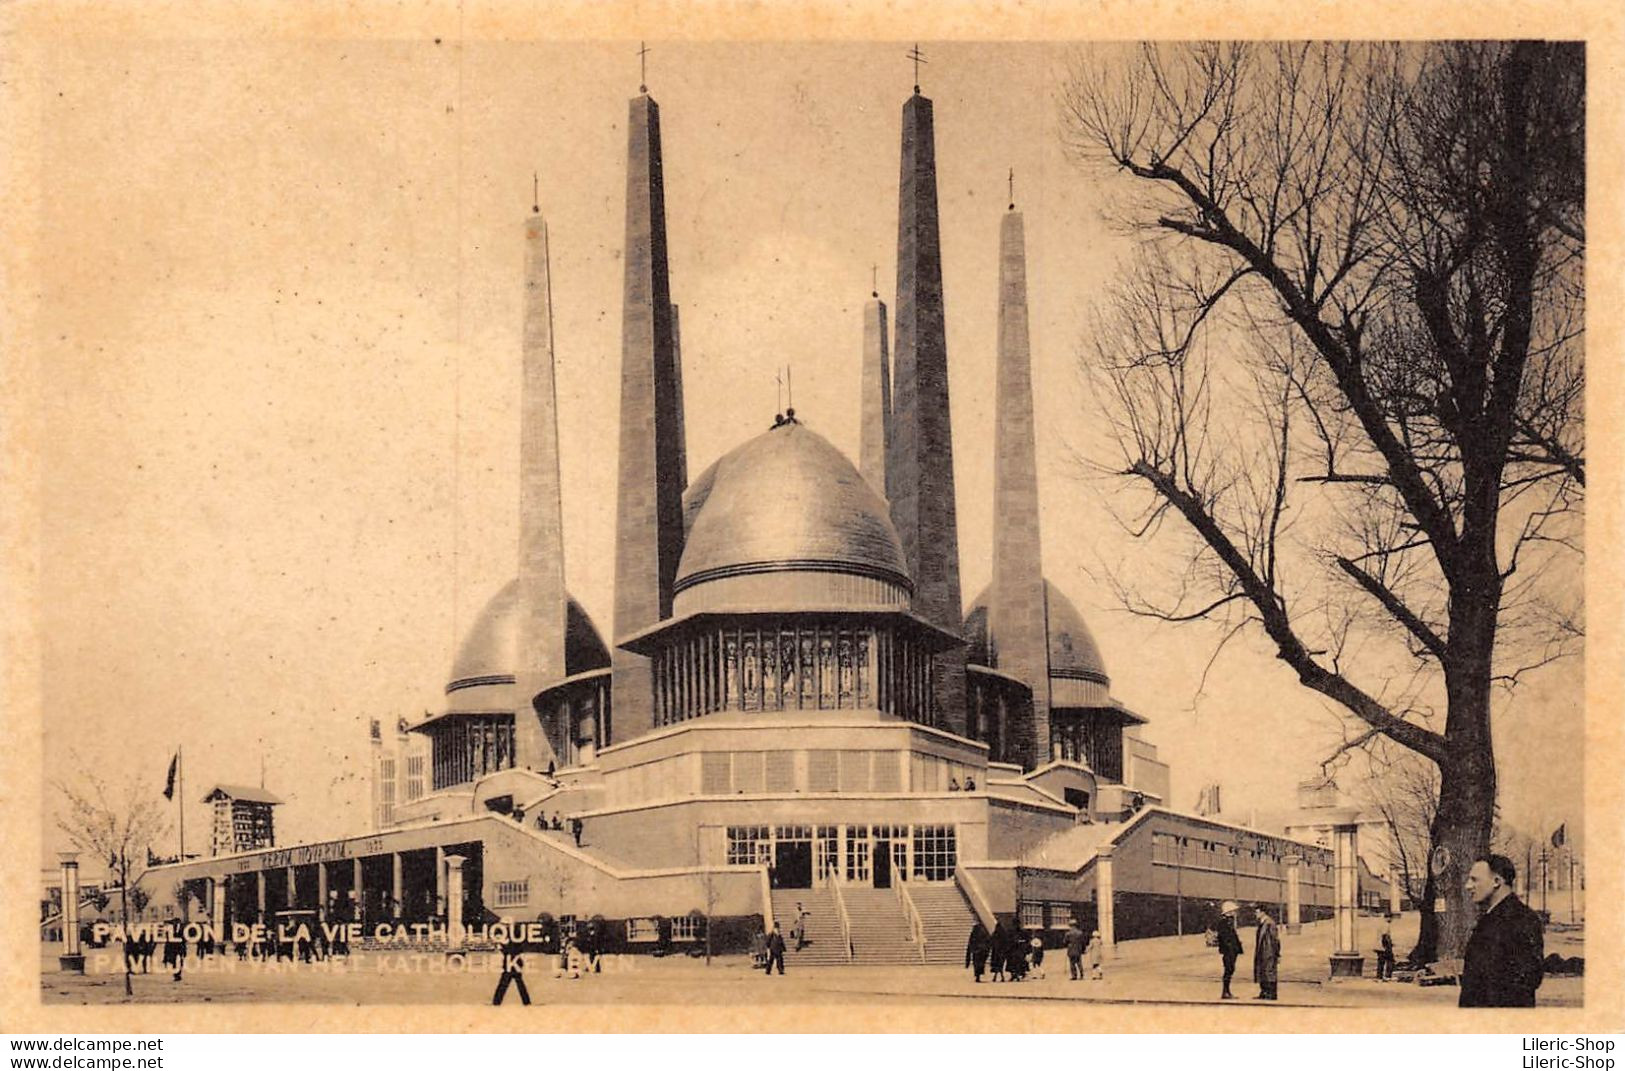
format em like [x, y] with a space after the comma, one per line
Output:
[751, 699]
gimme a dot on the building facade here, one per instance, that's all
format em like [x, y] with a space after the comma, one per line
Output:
[795, 707]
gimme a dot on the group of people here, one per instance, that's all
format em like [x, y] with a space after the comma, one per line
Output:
[555, 824]
[1502, 967]
[577, 955]
[1005, 955]
[1266, 951]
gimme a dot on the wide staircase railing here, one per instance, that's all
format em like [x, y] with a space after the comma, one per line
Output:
[946, 918]
[916, 927]
[840, 912]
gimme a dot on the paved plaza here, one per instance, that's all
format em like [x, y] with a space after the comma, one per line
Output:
[1172, 971]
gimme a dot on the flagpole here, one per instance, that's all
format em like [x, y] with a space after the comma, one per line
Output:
[180, 796]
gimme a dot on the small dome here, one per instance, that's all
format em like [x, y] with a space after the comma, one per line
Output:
[1073, 653]
[490, 651]
[788, 502]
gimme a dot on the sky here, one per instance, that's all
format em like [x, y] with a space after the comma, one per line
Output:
[280, 335]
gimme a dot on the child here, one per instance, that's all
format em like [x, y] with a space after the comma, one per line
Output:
[1096, 955]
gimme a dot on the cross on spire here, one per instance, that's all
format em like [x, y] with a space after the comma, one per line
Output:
[918, 57]
[1012, 189]
[643, 67]
[874, 280]
[535, 192]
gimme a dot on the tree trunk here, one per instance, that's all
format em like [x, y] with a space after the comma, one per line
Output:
[1462, 829]
[124, 907]
[1427, 941]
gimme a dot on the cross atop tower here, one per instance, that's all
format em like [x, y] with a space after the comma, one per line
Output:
[643, 67]
[535, 192]
[918, 57]
[1012, 189]
[874, 280]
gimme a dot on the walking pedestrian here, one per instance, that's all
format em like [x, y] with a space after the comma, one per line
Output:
[1096, 954]
[976, 950]
[799, 932]
[514, 947]
[1385, 952]
[1266, 956]
[1075, 943]
[775, 950]
[575, 830]
[998, 951]
[1015, 957]
[1229, 945]
[1504, 962]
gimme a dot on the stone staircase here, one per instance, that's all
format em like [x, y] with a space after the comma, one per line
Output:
[825, 945]
[880, 928]
[947, 919]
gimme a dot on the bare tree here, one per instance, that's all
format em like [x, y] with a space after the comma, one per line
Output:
[1403, 789]
[1347, 363]
[118, 824]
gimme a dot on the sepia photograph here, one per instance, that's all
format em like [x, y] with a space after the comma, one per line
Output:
[1018, 527]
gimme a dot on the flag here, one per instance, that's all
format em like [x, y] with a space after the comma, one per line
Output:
[169, 783]
[1561, 837]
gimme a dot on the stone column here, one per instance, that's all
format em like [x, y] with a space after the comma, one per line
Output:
[439, 879]
[1347, 962]
[321, 891]
[1105, 887]
[875, 425]
[649, 481]
[395, 887]
[1017, 598]
[293, 888]
[259, 894]
[1294, 892]
[217, 917]
[920, 455]
[454, 901]
[541, 526]
[73, 957]
[357, 891]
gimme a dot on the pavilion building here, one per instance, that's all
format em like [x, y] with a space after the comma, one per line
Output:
[795, 706]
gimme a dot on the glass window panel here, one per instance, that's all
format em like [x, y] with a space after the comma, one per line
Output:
[714, 773]
[781, 771]
[752, 674]
[748, 771]
[822, 771]
[730, 662]
[855, 775]
[887, 775]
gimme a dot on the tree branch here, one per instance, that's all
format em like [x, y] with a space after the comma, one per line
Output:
[1391, 602]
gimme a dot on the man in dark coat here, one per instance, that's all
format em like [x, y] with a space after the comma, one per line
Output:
[998, 946]
[976, 950]
[1229, 946]
[1266, 956]
[1503, 964]
[1075, 943]
[775, 950]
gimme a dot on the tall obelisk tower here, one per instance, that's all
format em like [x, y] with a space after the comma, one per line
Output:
[920, 468]
[875, 432]
[541, 518]
[649, 498]
[1017, 631]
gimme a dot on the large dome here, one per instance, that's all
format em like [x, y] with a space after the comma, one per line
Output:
[1073, 653]
[489, 655]
[789, 506]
